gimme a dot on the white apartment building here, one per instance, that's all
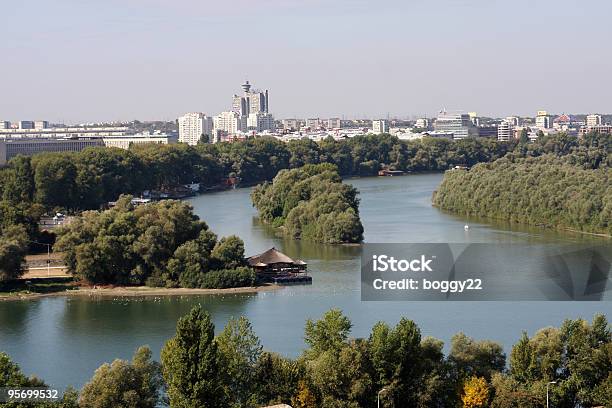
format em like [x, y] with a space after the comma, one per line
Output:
[422, 123]
[313, 123]
[505, 131]
[593, 120]
[229, 122]
[333, 123]
[459, 124]
[543, 120]
[291, 124]
[513, 120]
[260, 122]
[192, 126]
[380, 126]
[41, 124]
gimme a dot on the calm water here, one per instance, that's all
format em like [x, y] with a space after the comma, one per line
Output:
[63, 340]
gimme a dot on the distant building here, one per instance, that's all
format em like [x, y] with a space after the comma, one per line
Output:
[333, 123]
[489, 131]
[505, 131]
[260, 122]
[593, 120]
[5, 124]
[41, 124]
[513, 120]
[192, 126]
[313, 123]
[543, 120]
[65, 132]
[291, 124]
[26, 124]
[474, 118]
[596, 128]
[229, 122]
[380, 126]
[124, 142]
[10, 148]
[459, 124]
[422, 123]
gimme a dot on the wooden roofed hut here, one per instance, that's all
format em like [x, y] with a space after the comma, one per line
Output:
[273, 265]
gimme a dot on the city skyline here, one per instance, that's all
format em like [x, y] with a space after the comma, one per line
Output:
[347, 59]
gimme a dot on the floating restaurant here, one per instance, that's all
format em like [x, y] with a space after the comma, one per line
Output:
[274, 266]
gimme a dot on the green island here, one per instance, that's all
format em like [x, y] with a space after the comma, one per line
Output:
[568, 187]
[405, 369]
[160, 244]
[312, 203]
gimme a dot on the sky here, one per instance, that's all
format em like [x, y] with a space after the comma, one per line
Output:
[90, 60]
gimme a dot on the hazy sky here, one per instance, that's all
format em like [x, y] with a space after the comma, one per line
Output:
[102, 60]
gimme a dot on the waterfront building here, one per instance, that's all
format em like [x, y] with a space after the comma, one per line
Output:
[505, 131]
[543, 120]
[10, 148]
[593, 120]
[380, 126]
[459, 124]
[192, 126]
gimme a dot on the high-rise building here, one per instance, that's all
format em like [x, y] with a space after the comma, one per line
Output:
[543, 120]
[192, 126]
[380, 126]
[459, 124]
[505, 131]
[593, 120]
[229, 123]
[260, 122]
[253, 101]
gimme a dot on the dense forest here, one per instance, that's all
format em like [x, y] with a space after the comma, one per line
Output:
[407, 370]
[312, 203]
[570, 191]
[159, 244]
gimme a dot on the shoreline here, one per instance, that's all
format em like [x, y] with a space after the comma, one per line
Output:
[138, 291]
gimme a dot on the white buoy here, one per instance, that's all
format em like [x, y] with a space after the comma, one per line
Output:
[466, 227]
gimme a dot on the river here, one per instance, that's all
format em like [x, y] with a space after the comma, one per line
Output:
[64, 339]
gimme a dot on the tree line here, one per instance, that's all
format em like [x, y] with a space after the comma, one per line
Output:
[560, 192]
[312, 203]
[158, 244]
[406, 370]
[73, 182]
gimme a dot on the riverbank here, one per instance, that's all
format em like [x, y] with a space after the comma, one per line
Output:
[70, 288]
